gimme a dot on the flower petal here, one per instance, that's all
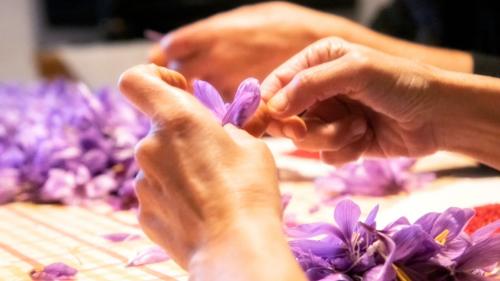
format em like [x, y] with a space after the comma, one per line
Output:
[210, 97]
[54, 272]
[346, 216]
[149, 255]
[480, 255]
[120, 237]
[485, 231]
[245, 103]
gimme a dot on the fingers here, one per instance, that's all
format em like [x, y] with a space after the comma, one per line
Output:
[157, 56]
[332, 135]
[150, 87]
[320, 52]
[315, 84]
[348, 153]
[257, 124]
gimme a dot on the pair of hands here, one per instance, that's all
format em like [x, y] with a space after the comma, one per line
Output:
[201, 184]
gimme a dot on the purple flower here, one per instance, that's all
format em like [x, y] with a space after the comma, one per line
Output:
[61, 143]
[338, 248]
[371, 177]
[149, 255]
[245, 103]
[54, 272]
[435, 247]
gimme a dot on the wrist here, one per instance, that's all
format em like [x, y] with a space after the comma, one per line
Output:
[467, 119]
[243, 252]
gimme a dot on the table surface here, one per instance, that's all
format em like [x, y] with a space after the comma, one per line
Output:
[35, 235]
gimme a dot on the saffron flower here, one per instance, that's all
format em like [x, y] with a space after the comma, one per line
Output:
[372, 177]
[54, 272]
[435, 247]
[62, 143]
[244, 105]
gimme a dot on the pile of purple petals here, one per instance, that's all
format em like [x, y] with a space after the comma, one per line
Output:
[435, 247]
[62, 143]
[372, 177]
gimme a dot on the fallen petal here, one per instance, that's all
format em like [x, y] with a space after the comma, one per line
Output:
[149, 255]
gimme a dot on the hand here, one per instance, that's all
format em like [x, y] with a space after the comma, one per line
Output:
[203, 189]
[249, 41]
[357, 102]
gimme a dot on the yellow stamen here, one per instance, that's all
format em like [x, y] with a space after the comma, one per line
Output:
[400, 274]
[442, 237]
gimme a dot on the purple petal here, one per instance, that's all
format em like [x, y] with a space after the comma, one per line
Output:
[210, 97]
[370, 219]
[54, 272]
[453, 220]
[346, 216]
[337, 277]
[480, 255]
[320, 248]
[485, 231]
[120, 237]
[413, 244]
[245, 103]
[149, 255]
[312, 230]
[379, 273]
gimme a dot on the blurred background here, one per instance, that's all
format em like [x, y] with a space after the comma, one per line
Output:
[95, 40]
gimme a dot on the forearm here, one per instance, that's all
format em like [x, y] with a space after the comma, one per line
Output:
[468, 115]
[440, 57]
[247, 253]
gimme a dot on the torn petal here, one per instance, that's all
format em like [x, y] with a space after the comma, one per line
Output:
[54, 272]
[120, 237]
[149, 255]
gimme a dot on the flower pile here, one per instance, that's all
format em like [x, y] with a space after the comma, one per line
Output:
[61, 143]
[372, 177]
[435, 247]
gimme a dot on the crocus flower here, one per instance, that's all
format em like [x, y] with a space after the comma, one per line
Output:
[245, 103]
[54, 272]
[435, 247]
[62, 143]
[371, 177]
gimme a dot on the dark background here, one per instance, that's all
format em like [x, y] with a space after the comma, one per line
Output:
[127, 19]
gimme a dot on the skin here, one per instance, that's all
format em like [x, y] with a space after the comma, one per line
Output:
[361, 102]
[209, 194]
[195, 207]
[262, 36]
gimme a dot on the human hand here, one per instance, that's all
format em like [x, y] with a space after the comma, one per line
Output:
[202, 186]
[249, 41]
[357, 102]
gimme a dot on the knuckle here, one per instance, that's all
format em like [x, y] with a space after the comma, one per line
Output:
[360, 60]
[146, 149]
[304, 78]
[178, 119]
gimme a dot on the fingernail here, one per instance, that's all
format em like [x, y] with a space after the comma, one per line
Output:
[278, 103]
[358, 127]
